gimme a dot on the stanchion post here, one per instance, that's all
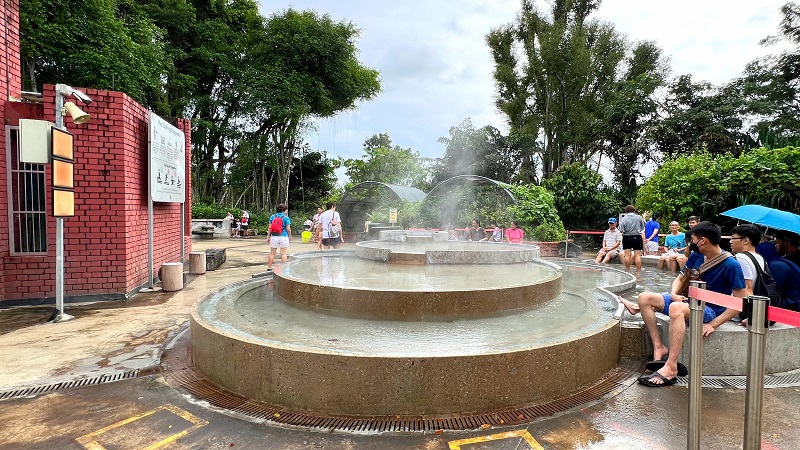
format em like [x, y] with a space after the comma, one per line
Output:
[757, 343]
[696, 307]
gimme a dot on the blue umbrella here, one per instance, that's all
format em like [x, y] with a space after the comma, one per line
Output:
[768, 217]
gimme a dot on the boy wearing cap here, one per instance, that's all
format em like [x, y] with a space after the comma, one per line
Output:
[612, 239]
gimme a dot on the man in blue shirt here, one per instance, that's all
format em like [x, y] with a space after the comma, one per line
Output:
[785, 273]
[725, 277]
[279, 239]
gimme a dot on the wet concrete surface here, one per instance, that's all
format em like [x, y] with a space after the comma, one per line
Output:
[144, 412]
[147, 413]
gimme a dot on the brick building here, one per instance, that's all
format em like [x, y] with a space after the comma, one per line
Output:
[105, 243]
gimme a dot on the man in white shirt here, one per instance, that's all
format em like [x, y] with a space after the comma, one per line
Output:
[744, 239]
[612, 239]
[326, 219]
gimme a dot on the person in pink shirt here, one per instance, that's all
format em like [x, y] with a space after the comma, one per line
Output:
[514, 234]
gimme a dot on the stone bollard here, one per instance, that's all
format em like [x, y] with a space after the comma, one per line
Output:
[172, 276]
[197, 263]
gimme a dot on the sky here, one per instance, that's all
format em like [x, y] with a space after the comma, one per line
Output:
[436, 70]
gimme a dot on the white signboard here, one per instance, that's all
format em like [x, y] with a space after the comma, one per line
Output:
[392, 215]
[167, 161]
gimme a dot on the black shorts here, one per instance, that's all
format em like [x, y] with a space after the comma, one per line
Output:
[634, 242]
[243, 227]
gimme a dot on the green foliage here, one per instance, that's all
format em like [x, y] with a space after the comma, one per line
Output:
[470, 151]
[459, 204]
[212, 211]
[705, 185]
[580, 197]
[388, 164]
[536, 212]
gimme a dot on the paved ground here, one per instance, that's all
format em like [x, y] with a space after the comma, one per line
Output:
[144, 412]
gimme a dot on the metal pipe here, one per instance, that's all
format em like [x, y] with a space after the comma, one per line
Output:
[59, 266]
[757, 343]
[696, 307]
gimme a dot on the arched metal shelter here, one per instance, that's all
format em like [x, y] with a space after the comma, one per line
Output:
[475, 180]
[354, 209]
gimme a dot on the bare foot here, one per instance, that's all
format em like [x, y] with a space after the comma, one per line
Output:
[632, 308]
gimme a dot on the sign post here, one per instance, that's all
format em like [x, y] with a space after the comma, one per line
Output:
[392, 216]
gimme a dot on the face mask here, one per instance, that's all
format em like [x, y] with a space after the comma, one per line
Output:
[693, 247]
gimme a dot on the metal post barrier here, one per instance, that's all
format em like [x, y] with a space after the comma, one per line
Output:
[696, 308]
[566, 245]
[757, 343]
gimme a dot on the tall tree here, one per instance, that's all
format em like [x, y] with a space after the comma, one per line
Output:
[483, 151]
[630, 111]
[389, 164]
[305, 66]
[91, 44]
[552, 96]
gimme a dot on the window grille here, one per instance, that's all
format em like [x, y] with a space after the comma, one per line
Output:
[27, 203]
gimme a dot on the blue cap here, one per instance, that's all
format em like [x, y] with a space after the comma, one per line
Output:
[612, 220]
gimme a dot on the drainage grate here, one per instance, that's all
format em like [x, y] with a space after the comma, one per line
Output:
[203, 389]
[791, 379]
[33, 391]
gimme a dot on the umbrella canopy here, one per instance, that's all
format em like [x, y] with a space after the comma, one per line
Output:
[768, 217]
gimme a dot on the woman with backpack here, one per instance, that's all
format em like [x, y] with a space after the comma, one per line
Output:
[280, 234]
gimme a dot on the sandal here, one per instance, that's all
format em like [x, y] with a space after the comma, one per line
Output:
[647, 380]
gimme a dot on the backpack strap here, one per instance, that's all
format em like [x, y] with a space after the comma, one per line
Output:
[758, 266]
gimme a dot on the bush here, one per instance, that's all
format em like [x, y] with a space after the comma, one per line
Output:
[706, 185]
[536, 212]
[212, 211]
[581, 199]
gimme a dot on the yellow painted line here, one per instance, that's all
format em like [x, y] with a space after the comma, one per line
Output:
[89, 443]
[456, 445]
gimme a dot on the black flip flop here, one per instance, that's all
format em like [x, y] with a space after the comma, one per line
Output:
[657, 365]
[645, 380]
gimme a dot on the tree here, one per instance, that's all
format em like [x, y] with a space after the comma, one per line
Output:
[388, 164]
[303, 67]
[94, 44]
[630, 111]
[552, 97]
[470, 151]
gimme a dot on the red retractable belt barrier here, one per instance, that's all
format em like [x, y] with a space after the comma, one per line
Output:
[775, 314]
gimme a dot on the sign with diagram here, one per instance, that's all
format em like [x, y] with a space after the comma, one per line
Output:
[167, 161]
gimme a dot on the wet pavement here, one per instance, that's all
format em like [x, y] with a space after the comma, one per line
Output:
[146, 412]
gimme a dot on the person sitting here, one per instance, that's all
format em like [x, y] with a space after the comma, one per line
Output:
[743, 240]
[497, 233]
[475, 231]
[724, 277]
[612, 239]
[788, 245]
[681, 259]
[675, 245]
[514, 234]
[785, 273]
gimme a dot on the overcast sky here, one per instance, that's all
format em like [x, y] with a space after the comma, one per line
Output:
[436, 70]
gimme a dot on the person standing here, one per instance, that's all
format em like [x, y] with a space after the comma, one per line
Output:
[612, 239]
[244, 223]
[280, 234]
[651, 230]
[326, 219]
[632, 227]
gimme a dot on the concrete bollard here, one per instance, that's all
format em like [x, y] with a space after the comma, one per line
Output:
[172, 277]
[197, 263]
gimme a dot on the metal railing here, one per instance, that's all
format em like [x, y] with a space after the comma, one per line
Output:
[757, 312]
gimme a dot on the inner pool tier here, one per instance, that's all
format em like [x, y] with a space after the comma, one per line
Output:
[255, 344]
[348, 285]
[424, 250]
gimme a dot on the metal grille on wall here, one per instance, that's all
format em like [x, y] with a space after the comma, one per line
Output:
[27, 216]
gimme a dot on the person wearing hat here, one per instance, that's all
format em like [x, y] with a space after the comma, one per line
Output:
[612, 239]
[788, 245]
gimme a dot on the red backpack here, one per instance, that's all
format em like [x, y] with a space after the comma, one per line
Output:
[276, 226]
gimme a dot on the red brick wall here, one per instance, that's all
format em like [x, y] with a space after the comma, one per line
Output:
[105, 244]
[10, 87]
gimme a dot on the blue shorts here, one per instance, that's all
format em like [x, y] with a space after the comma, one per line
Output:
[708, 313]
